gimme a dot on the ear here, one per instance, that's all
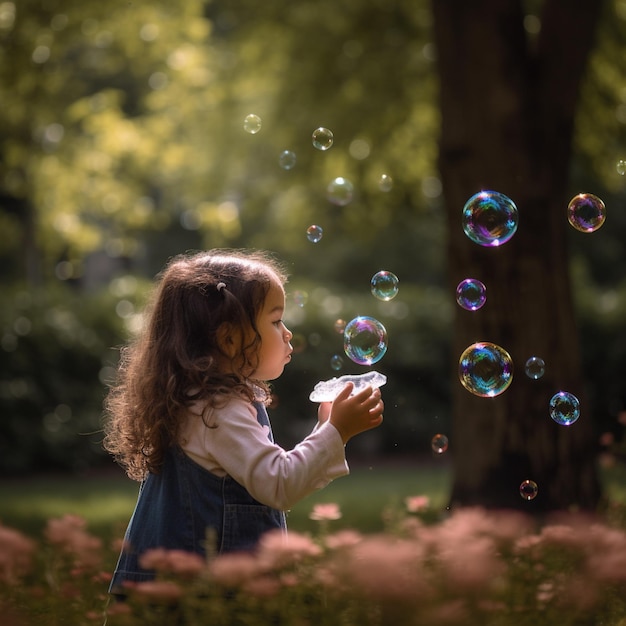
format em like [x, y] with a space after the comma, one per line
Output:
[227, 339]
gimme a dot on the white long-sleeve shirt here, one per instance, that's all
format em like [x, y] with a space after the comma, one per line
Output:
[238, 446]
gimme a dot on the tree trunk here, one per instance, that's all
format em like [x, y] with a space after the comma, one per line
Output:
[507, 111]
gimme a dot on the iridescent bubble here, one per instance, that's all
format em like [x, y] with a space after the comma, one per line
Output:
[528, 490]
[564, 408]
[586, 212]
[620, 166]
[252, 124]
[384, 285]
[287, 159]
[490, 218]
[322, 138]
[535, 367]
[439, 443]
[340, 191]
[471, 294]
[485, 369]
[300, 298]
[314, 233]
[340, 326]
[365, 340]
[336, 362]
[385, 183]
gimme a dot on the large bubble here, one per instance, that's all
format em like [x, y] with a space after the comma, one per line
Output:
[439, 443]
[322, 138]
[586, 212]
[471, 294]
[528, 490]
[564, 408]
[490, 218]
[535, 367]
[314, 233]
[340, 191]
[365, 340]
[327, 390]
[252, 124]
[384, 285]
[485, 369]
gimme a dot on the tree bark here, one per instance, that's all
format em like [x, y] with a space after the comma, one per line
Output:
[507, 105]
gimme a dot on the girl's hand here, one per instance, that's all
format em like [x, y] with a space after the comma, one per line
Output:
[323, 411]
[352, 415]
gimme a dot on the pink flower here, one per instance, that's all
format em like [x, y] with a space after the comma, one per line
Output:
[16, 555]
[157, 591]
[417, 504]
[342, 539]
[69, 534]
[232, 570]
[172, 561]
[322, 512]
[278, 549]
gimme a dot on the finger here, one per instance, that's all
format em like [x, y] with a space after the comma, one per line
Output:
[344, 393]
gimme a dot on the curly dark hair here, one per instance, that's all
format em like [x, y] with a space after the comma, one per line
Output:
[179, 358]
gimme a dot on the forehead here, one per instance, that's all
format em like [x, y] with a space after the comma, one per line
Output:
[275, 297]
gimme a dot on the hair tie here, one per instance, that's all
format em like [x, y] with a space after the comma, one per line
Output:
[221, 286]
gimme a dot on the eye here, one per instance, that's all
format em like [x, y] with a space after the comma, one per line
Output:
[277, 322]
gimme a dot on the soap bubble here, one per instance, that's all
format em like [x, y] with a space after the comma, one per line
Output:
[564, 408]
[439, 443]
[336, 362]
[314, 233]
[300, 298]
[535, 367]
[287, 159]
[586, 212]
[252, 124]
[384, 285]
[385, 183]
[620, 166]
[365, 340]
[322, 138]
[340, 191]
[340, 326]
[471, 294]
[327, 390]
[490, 218]
[485, 369]
[528, 490]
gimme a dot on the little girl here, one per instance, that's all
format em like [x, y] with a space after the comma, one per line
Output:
[187, 415]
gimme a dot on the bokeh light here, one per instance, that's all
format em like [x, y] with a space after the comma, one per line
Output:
[490, 218]
[564, 408]
[620, 166]
[384, 285]
[287, 159]
[365, 340]
[535, 367]
[485, 369]
[586, 212]
[340, 326]
[471, 294]
[385, 183]
[528, 490]
[252, 124]
[322, 138]
[300, 298]
[336, 362]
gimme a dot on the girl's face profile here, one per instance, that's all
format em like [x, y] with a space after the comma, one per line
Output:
[275, 350]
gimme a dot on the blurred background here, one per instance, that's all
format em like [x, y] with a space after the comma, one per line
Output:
[126, 138]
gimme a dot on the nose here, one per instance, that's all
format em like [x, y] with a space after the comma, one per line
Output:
[288, 334]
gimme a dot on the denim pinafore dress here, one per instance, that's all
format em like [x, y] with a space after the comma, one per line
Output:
[184, 504]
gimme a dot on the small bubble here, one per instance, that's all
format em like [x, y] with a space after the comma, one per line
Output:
[535, 367]
[300, 298]
[620, 166]
[340, 326]
[340, 191]
[322, 138]
[439, 443]
[485, 369]
[314, 233]
[586, 212]
[564, 408]
[336, 362]
[365, 340]
[384, 285]
[490, 218]
[528, 490]
[471, 294]
[385, 183]
[252, 124]
[287, 159]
